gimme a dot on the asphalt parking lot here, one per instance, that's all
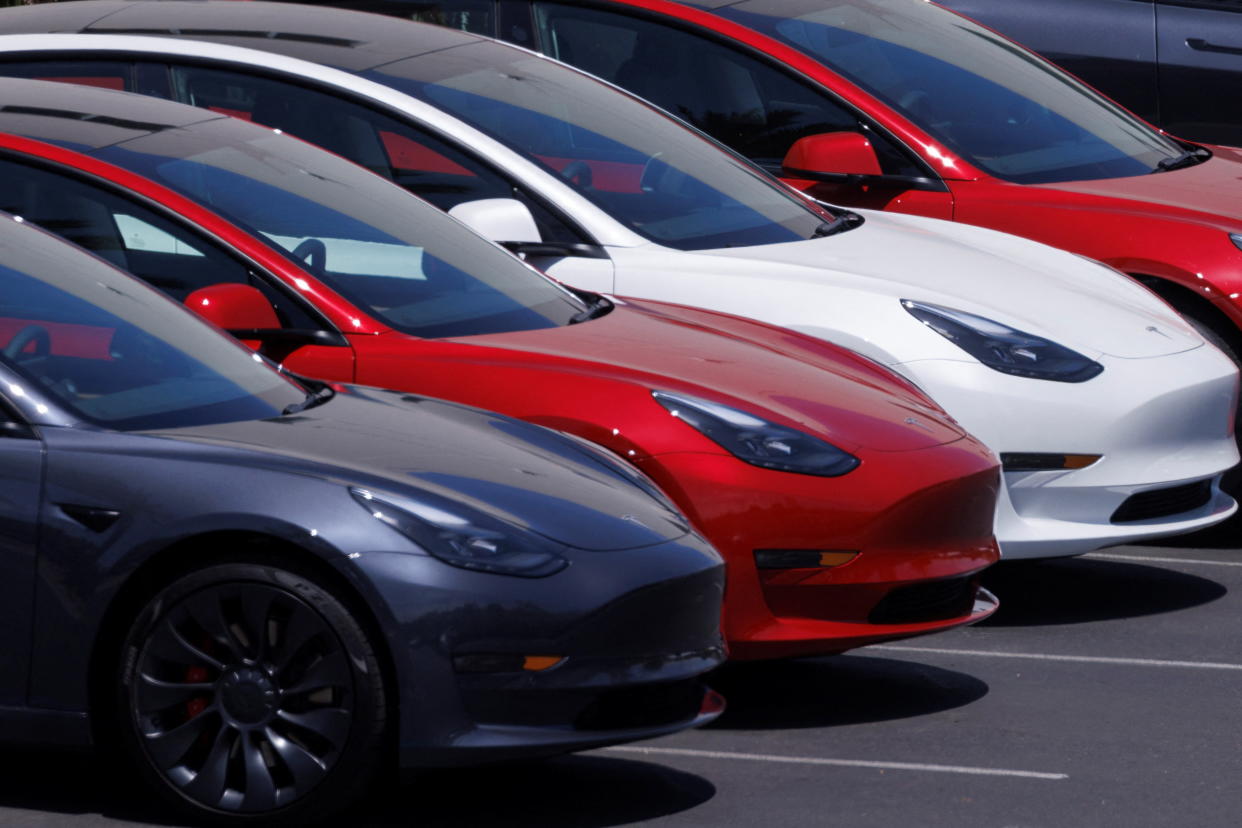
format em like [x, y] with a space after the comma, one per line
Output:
[1107, 691]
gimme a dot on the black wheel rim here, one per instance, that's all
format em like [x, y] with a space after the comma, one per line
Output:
[242, 697]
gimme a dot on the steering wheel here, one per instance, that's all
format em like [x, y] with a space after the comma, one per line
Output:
[916, 103]
[31, 333]
[315, 252]
[578, 172]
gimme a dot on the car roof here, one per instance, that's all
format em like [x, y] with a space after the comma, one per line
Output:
[351, 40]
[89, 118]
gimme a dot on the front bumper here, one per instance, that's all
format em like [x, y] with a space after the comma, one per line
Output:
[1157, 423]
[635, 630]
[920, 521]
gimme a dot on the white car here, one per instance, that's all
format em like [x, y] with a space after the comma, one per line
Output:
[1113, 418]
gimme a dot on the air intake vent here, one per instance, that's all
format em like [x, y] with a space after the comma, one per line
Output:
[1159, 503]
[930, 601]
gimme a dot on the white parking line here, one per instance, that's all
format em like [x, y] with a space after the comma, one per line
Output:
[1109, 556]
[846, 763]
[1134, 662]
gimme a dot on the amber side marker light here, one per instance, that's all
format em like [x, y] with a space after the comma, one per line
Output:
[504, 663]
[801, 558]
[1030, 461]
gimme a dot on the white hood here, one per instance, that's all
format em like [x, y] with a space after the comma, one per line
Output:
[1030, 286]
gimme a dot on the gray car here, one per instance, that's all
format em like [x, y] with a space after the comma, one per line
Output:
[262, 589]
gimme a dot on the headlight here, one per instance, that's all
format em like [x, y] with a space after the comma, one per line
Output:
[1236, 238]
[757, 441]
[1003, 348]
[468, 542]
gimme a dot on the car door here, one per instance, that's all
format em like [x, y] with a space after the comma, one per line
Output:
[163, 251]
[21, 476]
[1200, 46]
[746, 102]
[1111, 44]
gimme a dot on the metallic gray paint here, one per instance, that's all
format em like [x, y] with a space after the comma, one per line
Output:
[640, 605]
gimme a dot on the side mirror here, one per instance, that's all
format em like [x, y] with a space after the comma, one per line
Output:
[233, 306]
[499, 219]
[244, 312]
[832, 153]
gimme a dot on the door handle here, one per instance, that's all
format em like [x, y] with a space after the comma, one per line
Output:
[95, 518]
[1201, 45]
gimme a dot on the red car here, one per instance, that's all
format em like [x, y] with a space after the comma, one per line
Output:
[849, 508]
[906, 106]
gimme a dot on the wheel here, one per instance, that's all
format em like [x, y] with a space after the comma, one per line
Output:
[1212, 336]
[250, 694]
[1232, 481]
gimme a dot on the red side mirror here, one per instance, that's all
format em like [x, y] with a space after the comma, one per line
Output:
[841, 153]
[234, 307]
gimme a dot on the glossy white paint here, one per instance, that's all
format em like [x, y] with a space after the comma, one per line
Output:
[1160, 414]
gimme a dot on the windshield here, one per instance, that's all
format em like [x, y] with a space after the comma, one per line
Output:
[390, 253]
[644, 169]
[1004, 109]
[116, 352]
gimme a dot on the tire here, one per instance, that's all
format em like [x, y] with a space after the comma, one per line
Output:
[283, 726]
[1213, 337]
[1232, 480]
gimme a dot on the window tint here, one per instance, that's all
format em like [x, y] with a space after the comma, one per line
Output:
[146, 78]
[642, 168]
[738, 100]
[393, 255]
[131, 236]
[119, 354]
[1002, 108]
[417, 160]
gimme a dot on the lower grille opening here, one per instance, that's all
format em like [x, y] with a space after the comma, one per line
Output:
[489, 701]
[1159, 503]
[929, 601]
[649, 705]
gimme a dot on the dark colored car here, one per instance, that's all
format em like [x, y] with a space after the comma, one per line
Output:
[260, 588]
[1177, 63]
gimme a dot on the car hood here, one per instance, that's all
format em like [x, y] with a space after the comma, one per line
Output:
[411, 446]
[774, 373]
[1209, 192]
[1030, 286]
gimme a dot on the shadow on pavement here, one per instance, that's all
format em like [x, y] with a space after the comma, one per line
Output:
[1226, 535]
[1077, 590]
[836, 690]
[571, 791]
[71, 783]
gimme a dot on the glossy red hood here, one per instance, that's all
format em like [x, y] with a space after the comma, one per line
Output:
[1209, 192]
[774, 373]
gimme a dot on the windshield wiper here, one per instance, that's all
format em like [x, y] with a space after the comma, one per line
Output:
[317, 397]
[1186, 159]
[840, 224]
[599, 307]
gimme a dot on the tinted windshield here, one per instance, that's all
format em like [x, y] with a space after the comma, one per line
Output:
[390, 253]
[115, 351]
[644, 169]
[1000, 107]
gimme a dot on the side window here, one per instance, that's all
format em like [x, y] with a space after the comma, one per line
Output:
[739, 100]
[421, 162]
[145, 78]
[475, 16]
[132, 236]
